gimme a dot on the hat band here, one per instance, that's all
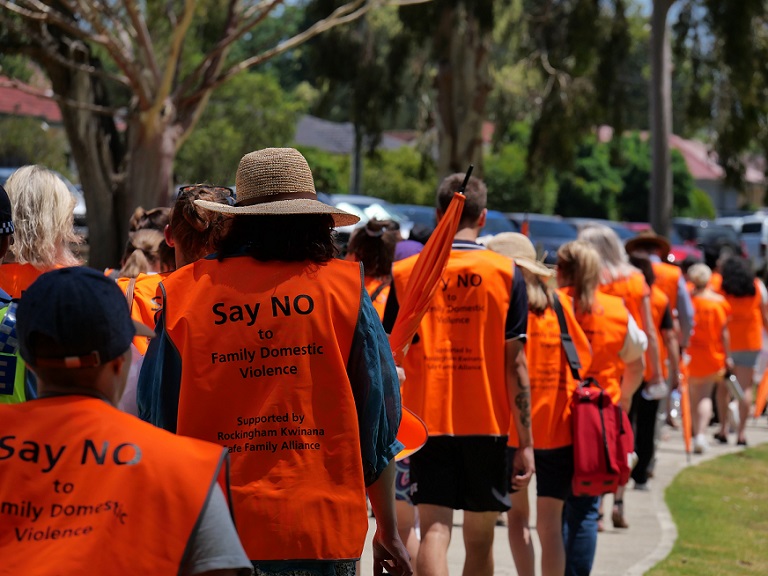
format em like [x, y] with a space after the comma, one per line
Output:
[277, 197]
[88, 361]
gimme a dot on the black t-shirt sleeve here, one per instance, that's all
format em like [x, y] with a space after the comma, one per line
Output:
[667, 323]
[517, 315]
[391, 309]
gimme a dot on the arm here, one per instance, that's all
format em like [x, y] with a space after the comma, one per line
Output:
[519, 395]
[763, 304]
[633, 377]
[726, 337]
[673, 353]
[654, 358]
[388, 550]
[684, 312]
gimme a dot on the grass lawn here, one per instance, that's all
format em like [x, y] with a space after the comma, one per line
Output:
[720, 508]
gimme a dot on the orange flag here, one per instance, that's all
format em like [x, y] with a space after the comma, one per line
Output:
[413, 305]
[685, 407]
[762, 395]
[525, 227]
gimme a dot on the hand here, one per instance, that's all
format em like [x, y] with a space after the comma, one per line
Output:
[400, 374]
[523, 468]
[389, 553]
[729, 363]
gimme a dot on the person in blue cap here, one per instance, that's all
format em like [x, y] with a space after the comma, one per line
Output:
[16, 383]
[85, 487]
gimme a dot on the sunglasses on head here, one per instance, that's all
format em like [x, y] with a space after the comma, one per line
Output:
[226, 191]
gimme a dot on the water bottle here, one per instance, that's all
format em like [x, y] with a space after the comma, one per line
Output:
[735, 388]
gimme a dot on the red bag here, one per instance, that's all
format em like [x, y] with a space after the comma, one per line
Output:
[602, 442]
[602, 435]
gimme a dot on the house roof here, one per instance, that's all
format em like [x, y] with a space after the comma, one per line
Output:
[335, 137]
[17, 102]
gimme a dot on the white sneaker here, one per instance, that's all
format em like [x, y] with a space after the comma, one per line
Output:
[700, 444]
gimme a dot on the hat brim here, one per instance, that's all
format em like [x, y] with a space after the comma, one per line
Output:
[641, 242]
[412, 433]
[534, 266]
[284, 207]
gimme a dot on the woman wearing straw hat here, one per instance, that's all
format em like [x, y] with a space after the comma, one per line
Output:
[275, 351]
[551, 388]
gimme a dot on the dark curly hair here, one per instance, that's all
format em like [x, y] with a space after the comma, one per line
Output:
[286, 238]
[194, 229]
[374, 246]
[738, 277]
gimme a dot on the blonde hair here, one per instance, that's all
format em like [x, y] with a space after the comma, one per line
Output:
[539, 295]
[699, 275]
[43, 215]
[142, 253]
[615, 262]
[579, 265]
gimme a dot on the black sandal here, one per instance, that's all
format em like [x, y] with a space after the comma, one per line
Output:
[722, 438]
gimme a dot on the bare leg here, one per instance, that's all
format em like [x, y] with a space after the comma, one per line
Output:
[549, 527]
[478, 543]
[701, 406]
[519, 534]
[744, 375]
[436, 523]
[722, 396]
[406, 527]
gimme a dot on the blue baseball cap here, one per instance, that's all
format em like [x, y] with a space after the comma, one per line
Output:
[6, 215]
[74, 318]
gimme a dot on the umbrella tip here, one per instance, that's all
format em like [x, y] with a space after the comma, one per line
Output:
[466, 178]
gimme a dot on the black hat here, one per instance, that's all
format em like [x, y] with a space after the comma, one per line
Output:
[82, 315]
[6, 216]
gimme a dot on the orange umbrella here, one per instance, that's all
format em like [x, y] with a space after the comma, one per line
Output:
[414, 302]
[685, 407]
[762, 395]
[424, 279]
[525, 227]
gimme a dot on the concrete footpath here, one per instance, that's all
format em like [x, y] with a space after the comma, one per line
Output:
[620, 552]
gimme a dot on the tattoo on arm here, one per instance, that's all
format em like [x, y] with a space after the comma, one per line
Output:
[523, 403]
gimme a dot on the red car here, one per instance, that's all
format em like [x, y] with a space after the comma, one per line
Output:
[679, 249]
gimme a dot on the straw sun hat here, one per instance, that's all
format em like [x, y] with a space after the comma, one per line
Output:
[520, 249]
[277, 181]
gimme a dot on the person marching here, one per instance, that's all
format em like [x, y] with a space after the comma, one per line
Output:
[17, 384]
[552, 386]
[618, 345]
[43, 212]
[709, 350]
[105, 493]
[466, 377]
[273, 349]
[189, 234]
[748, 300]
[374, 246]
[643, 413]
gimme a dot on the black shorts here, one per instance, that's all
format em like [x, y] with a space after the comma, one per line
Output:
[554, 471]
[462, 472]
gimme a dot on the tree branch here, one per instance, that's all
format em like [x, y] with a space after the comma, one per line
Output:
[144, 41]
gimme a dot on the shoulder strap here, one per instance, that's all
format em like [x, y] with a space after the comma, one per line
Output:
[568, 346]
[379, 288]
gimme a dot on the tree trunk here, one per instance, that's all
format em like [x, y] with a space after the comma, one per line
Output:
[661, 120]
[96, 149]
[462, 83]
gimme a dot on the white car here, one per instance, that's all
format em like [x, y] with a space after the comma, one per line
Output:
[754, 237]
[367, 208]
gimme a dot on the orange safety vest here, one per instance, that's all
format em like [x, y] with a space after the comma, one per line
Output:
[552, 384]
[264, 348]
[706, 343]
[746, 324]
[716, 282]
[15, 277]
[372, 284]
[668, 280]
[659, 304]
[87, 489]
[455, 377]
[632, 290]
[144, 306]
[606, 329]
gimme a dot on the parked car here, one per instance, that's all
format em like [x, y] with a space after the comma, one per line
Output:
[424, 221]
[753, 230]
[496, 223]
[81, 227]
[546, 232]
[709, 237]
[366, 208]
[623, 232]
